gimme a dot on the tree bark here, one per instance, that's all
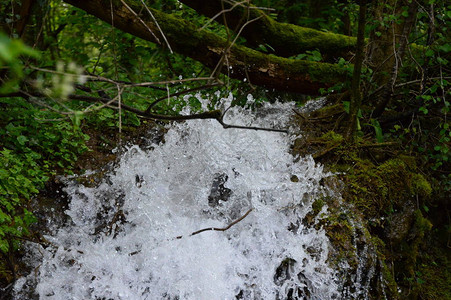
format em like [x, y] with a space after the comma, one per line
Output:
[356, 96]
[184, 38]
[20, 19]
[390, 51]
[286, 39]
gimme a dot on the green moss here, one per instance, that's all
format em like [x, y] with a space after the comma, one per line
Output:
[435, 275]
[315, 71]
[420, 186]
[408, 252]
[332, 137]
[317, 205]
[302, 39]
[390, 286]
[420, 227]
[328, 111]
[389, 280]
[378, 190]
[340, 233]
[386, 194]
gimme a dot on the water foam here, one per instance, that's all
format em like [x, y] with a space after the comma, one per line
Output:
[130, 237]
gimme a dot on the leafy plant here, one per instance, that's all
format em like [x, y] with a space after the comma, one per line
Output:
[313, 55]
[10, 51]
[32, 151]
[32, 147]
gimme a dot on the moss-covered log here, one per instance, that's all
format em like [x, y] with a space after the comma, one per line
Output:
[184, 38]
[286, 39]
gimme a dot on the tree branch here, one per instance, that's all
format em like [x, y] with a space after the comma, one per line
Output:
[219, 228]
[286, 39]
[115, 104]
[264, 70]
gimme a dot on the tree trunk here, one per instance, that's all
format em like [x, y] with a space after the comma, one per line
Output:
[356, 96]
[389, 48]
[383, 39]
[286, 39]
[184, 38]
[19, 20]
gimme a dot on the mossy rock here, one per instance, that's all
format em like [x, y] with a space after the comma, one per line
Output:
[381, 190]
[384, 200]
[354, 252]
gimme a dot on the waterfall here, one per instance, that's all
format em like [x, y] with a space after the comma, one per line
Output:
[131, 237]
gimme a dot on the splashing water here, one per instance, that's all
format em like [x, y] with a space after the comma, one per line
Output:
[130, 237]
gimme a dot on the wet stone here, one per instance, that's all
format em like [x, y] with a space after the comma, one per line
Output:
[218, 191]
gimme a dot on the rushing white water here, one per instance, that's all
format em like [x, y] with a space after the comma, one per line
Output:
[130, 237]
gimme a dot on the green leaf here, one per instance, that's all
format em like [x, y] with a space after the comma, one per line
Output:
[22, 139]
[4, 246]
[378, 130]
[424, 110]
[262, 48]
[430, 53]
[76, 119]
[442, 61]
[445, 47]
[346, 105]
[3, 174]
[4, 217]
[420, 281]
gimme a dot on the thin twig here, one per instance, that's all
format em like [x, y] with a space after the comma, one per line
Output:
[219, 228]
[141, 21]
[299, 114]
[229, 126]
[220, 13]
[180, 93]
[168, 82]
[158, 26]
[234, 4]
[213, 115]
[119, 107]
[227, 49]
[378, 145]
[93, 77]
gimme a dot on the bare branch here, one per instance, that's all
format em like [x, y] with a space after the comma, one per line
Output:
[220, 13]
[181, 93]
[142, 22]
[219, 228]
[158, 26]
[115, 104]
[220, 63]
[143, 84]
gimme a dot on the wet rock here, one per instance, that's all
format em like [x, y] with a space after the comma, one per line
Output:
[400, 224]
[297, 286]
[218, 191]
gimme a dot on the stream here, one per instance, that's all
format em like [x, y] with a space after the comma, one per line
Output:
[210, 213]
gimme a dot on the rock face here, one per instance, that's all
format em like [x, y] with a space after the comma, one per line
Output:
[400, 224]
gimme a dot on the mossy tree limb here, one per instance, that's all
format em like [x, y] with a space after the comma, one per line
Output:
[286, 39]
[208, 48]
